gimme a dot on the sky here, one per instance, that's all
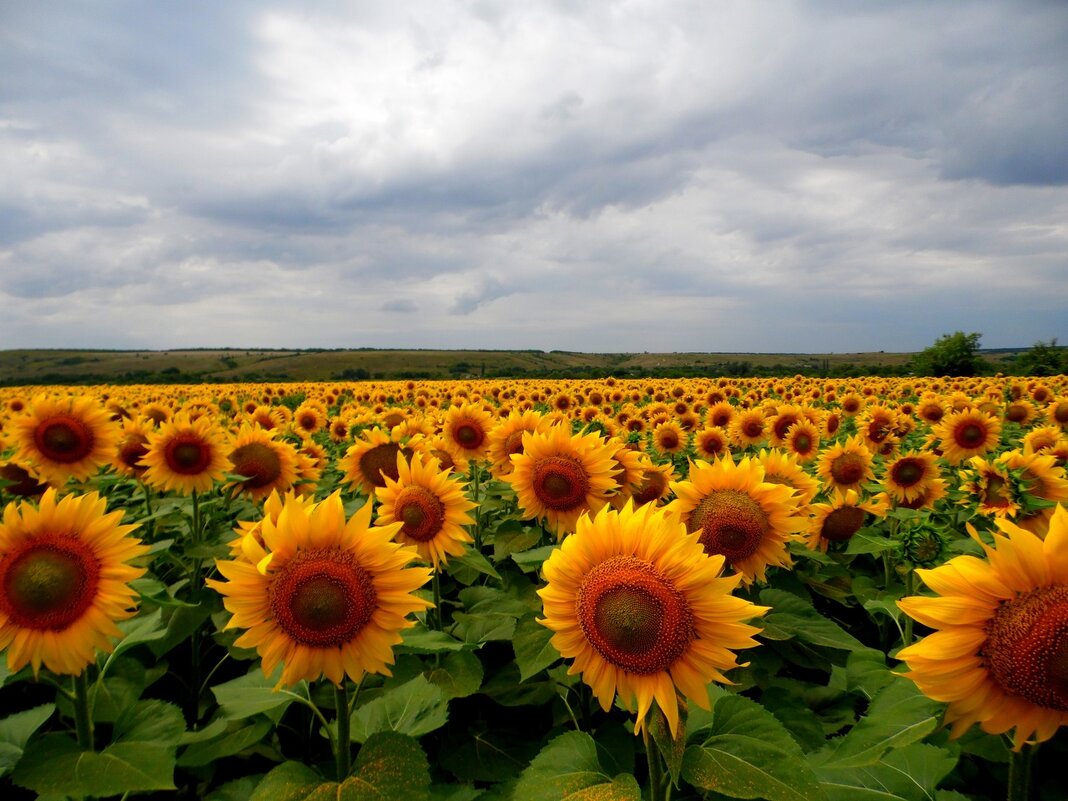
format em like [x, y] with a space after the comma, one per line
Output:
[647, 175]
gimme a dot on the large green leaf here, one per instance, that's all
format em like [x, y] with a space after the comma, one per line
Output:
[906, 774]
[459, 675]
[226, 744]
[154, 722]
[468, 566]
[484, 626]
[513, 537]
[250, 695]
[15, 732]
[56, 765]
[568, 769]
[793, 617]
[494, 755]
[421, 640]
[533, 649]
[413, 708]
[747, 753]
[898, 716]
[390, 767]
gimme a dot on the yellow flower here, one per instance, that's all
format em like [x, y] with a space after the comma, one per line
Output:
[999, 653]
[65, 438]
[186, 455]
[635, 602]
[64, 581]
[322, 596]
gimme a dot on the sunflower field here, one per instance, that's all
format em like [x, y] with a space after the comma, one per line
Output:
[789, 589]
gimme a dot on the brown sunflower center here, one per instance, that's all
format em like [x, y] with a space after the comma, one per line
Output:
[1026, 648]
[258, 462]
[970, 435]
[847, 469]
[907, 472]
[560, 483]
[131, 450]
[381, 460]
[49, 583]
[514, 442]
[323, 597]
[63, 438]
[634, 616]
[802, 444]
[468, 435]
[668, 440]
[842, 523]
[731, 523]
[422, 513]
[653, 486]
[187, 454]
[22, 481]
[753, 428]
[782, 425]
[997, 491]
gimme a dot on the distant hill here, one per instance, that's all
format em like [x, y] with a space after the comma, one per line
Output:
[69, 366]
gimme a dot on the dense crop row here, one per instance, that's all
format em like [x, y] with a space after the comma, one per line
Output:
[783, 589]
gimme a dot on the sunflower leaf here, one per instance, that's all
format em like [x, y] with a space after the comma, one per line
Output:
[458, 676]
[250, 695]
[15, 732]
[907, 774]
[467, 567]
[56, 765]
[799, 619]
[747, 753]
[569, 768]
[413, 708]
[389, 767]
[533, 649]
[231, 742]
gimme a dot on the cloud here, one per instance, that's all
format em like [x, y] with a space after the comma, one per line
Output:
[401, 305]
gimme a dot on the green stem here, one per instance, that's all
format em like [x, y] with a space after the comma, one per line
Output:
[1020, 774]
[657, 785]
[439, 623]
[342, 746]
[83, 722]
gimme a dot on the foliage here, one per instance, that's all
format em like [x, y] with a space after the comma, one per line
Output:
[955, 354]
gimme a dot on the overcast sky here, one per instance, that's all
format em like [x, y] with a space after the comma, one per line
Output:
[578, 175]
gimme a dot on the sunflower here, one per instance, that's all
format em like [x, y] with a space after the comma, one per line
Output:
[267, 463]
[506, 438]
[967, 433]
[1043, 438]
[431, 506]
[738, 514]
[935, 491]
[783, 468]
[631, 465]
[643, 612]
[989, 489]
[931, 408]
[272, 510]
[372, 458]
[65, 437]
[907, 477]
[843, 517]
[1057, 412]
[711, 442]
[747, 428]
[322, 597]
[997, 656]
[781, 422]
[558, 476]
[19, 478]
[846, 465]
[466, 429]
[309, 418]
[720, 414]
[803, 441]
[669, 438]
[186, 455]
[64, 581]
[655, 484]
[133, 444]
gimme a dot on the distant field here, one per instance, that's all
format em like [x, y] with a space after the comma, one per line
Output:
[18, 367]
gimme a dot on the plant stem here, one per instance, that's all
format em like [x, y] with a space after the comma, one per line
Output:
[657, 785]
[83, 722]
[1020, 774]
[342, 746]
[438, 620]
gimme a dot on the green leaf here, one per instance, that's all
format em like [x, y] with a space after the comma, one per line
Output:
[15, 732]
[493, 599]
[898, 716]
[907, 774]
[454, 792]
[568, 768]
[138, 630]
[230, 743]
[155, 592]
[421, 640]
[487, 756]
[867, 673]
[468, 566]
[798, 619]
[869, 541]
[290, 781]
[533, 649]
[181, 623]
[389, 767]
[505, 688]
[56, 765]
[747, 753]
[484, 626]
[236, 790]
[533, 559]
[458, 676]
[672, 748]
[513, 537]
[154, 722]
[414, 708]
[796, 715]
[250, 695]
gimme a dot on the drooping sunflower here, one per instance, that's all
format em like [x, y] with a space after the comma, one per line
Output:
[738, 514]
[558, 476]
[64, 581]
[843, 517]
[988, 488]
[643, 612]
[267, 463]
[68, 437]
[967, 433]
[846, 465]
[997, 656]
[186, 455]
[371, 458]
[133, 444]
[323, 597]
[431, 506]
[907, 477]
[655, 484]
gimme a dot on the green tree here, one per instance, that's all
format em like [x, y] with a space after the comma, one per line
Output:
[1044, 358]
[955, 354]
